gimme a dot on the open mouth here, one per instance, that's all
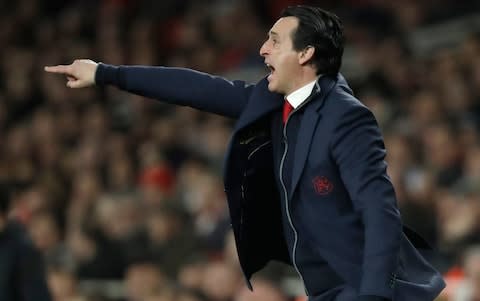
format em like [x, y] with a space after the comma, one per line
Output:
[272, 69]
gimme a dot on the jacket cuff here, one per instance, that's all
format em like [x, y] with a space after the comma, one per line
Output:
[380, 280]
[106, 75]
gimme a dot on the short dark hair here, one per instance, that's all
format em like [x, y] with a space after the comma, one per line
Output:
[322, 30]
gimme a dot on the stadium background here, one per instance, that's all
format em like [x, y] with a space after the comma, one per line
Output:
[123, 195]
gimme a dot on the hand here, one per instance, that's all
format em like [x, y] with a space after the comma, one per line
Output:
[80, 74]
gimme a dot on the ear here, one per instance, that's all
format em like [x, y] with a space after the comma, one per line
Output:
[306, 55]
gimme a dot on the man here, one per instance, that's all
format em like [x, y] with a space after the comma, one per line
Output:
[306, 185]
[22, 273]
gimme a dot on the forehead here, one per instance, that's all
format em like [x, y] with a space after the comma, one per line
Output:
[284, 26]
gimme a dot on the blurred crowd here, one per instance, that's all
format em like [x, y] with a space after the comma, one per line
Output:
[116, 188]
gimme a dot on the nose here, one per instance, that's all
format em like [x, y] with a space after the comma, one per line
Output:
[264, 49]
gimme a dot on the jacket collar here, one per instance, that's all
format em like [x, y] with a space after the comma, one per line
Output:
[262, 101]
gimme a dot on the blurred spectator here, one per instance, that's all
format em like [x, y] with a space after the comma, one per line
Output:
[63, 285]
[469, 288]
[170, 239]
[95, 256]
[221, 281]
[22, 271]
[191, 274]
[46, 236]
[458, 214]
[143, 281]
[264, 291]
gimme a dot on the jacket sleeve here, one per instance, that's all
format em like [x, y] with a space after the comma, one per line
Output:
[179, 86]
[359, 151]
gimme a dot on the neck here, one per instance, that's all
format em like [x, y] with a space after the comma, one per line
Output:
[303, 78]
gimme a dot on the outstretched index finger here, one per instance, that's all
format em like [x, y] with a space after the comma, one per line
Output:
[62, 69]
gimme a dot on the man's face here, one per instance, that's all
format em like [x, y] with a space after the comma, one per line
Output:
[280, 57]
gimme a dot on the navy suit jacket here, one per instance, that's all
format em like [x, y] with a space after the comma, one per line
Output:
[343, 202]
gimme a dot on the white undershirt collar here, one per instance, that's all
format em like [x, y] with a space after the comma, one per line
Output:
[297, 97]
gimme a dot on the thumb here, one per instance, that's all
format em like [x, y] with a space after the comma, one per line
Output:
[75, 83]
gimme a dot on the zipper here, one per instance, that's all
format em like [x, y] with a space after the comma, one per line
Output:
[287, 207]
[258, 148]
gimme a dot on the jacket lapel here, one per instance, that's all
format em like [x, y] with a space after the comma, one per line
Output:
[308, 126]
[262, 102]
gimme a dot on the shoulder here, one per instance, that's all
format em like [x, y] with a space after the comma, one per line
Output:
[342, 101]
[18, 237]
